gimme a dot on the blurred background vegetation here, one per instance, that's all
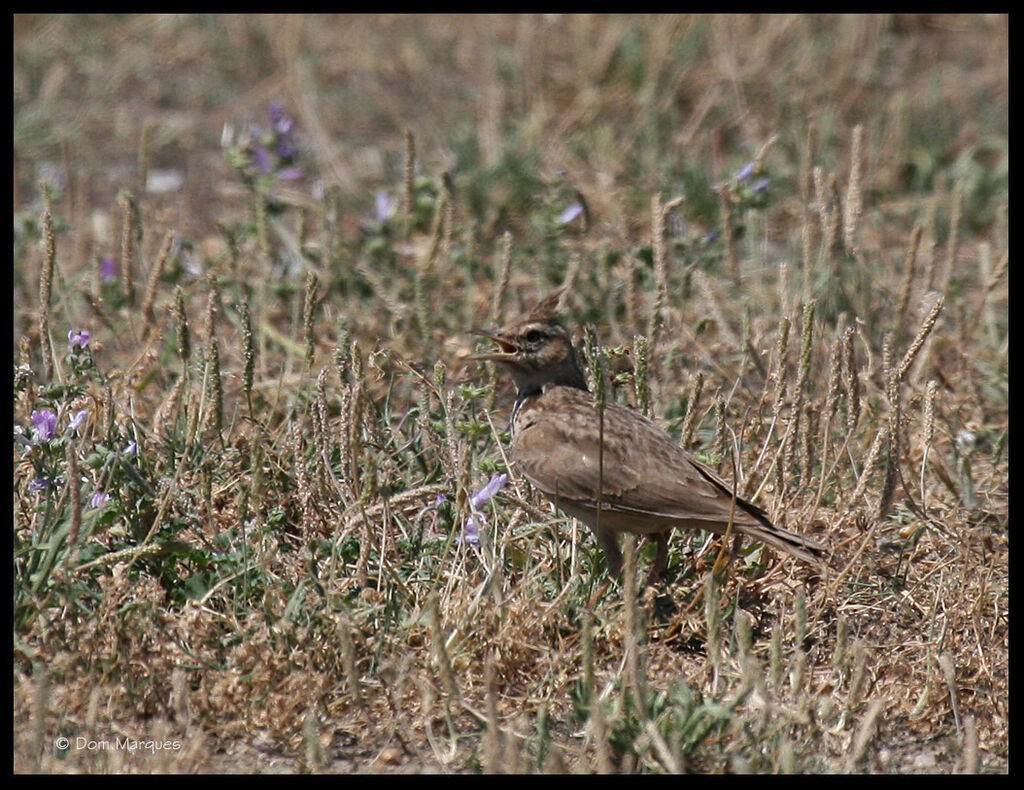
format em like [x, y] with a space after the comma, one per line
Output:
[239, 503]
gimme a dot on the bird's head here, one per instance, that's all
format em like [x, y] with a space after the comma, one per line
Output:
[536, 349]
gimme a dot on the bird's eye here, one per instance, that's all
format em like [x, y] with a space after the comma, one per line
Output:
[534, 335]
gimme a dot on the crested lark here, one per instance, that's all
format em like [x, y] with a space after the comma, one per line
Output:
[645, 483]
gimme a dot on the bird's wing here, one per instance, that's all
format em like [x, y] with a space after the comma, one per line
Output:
[643, 471]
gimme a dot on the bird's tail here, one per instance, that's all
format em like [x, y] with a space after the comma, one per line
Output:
[806, 549]
[801, 547]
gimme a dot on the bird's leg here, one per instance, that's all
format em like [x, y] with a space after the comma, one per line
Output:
[661, 558]
[613, 559]
[612, 554]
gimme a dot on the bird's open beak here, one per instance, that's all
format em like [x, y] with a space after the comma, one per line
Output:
[508, 348]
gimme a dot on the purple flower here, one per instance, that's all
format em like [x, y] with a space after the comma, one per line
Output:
[46, 424]
[761, 185]
[262, 156]
[471, 532]
[744, 172]
[19, 436]
[440, 499]
[290, 173]
[132, 449]
[476, 520]
[281, 123]
[384, 206]
[570, 213]
[78, 418]
[78, 337]
[483, 496]
[711, 238]
[99, 499]
[286, 149]
[39, 484]
[108, 269]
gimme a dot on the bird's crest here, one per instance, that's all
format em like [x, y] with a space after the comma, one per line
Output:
[546, 310]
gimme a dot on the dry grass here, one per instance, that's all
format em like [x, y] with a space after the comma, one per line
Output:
[277, 584]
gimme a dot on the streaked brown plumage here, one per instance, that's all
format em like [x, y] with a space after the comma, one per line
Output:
[645, 482]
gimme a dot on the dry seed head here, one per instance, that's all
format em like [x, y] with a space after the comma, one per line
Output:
[853, 193]
[797, 672]
[834, 216]
[719, 443]
[865, 733]
[762, 154]
[409, 173]
[808, 435]
[859, 676]
[909, 267]
[929, 412]
[308, 310]
[744, 637]
[440, 649]
[892, 392]
[806, 338]
[595, 364]
[301, 474]
[212, 300]
[75, 495]
[970, 746]
[503, 278]
[780, 364]
[248, 347]
[632, 297]
[349, 660]
[154, 277]
[775, 657]
[692, 404]
[163, 420]
[657, 318]
[869, 464]
[640, 383]
[922, 335]
[821, 199]
[319, 415]
[806, 224]
[783, 288]
[311, 737]
[851, 380]
[449, 221]
[181, 316]
[128, 221]
[788, 446]
[800, 620]
[215, 415]
[834, 383]
[46, 282]
[842, 633]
